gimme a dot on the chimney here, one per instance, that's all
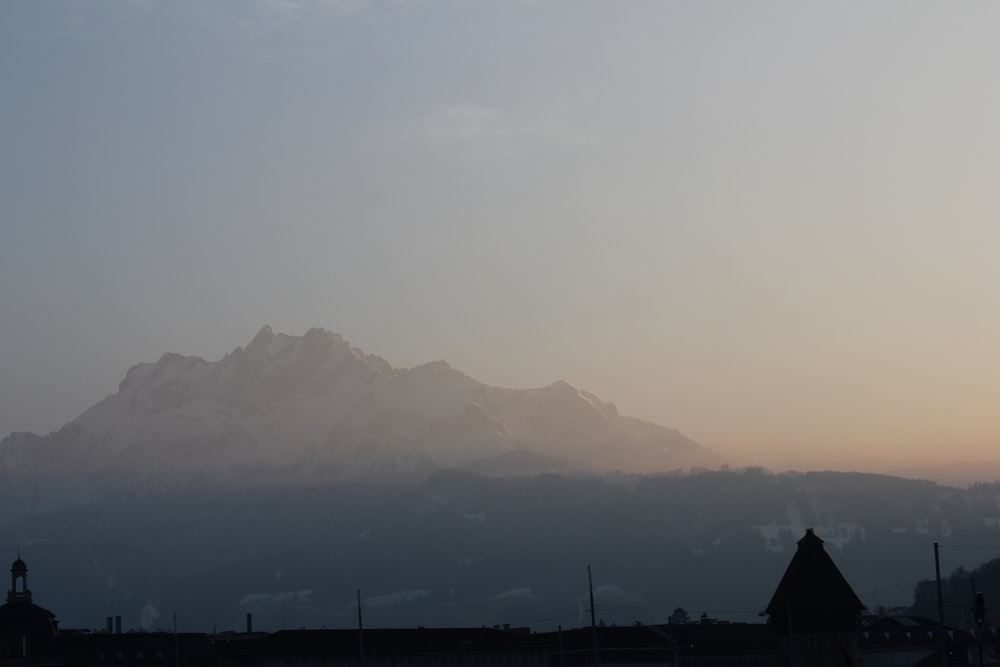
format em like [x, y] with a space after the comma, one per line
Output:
[118, 625]
[249, 622]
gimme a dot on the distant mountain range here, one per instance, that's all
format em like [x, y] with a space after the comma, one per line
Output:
[465, 549]
[958, 474]
[313, 409]
[297, 470]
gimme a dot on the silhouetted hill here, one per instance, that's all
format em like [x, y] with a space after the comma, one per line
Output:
[464, 549]
[954, 474]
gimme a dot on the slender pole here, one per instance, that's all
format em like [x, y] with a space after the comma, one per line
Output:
[361, 632]
[940, 601]
[976, 614]
[593, 617]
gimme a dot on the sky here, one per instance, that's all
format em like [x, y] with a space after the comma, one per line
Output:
[772, 225]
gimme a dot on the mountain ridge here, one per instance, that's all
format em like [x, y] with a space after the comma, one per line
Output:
[710, 541]
[313, 409]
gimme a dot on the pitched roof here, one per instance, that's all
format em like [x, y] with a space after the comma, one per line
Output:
[812, 583]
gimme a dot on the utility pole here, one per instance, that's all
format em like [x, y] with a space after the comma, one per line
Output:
[979, 612]
[361, 632]
[593, 617]
[940, 601]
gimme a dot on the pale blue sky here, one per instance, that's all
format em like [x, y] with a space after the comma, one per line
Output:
[771, 225]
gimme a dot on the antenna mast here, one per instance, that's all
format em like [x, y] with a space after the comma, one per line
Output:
[593, 618]
[361, 632]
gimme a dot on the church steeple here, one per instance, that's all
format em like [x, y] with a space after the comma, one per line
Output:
[27, 632]
[19, 591]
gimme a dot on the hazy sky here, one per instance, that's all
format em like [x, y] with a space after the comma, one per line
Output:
[774, 226]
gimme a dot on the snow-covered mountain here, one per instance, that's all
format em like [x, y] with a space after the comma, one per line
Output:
[312, 408]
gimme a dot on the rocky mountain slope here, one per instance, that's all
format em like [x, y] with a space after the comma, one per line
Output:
[309, 409]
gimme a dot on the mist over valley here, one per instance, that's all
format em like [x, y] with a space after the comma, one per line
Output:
[298, 470]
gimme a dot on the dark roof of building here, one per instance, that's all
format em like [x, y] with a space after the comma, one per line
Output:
[18, 566]
[914, 636]
[812, 582]
[23, 618]
[625, 635]
[415, 640]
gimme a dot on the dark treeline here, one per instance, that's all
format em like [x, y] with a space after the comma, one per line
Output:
[465, 549]
[958, 590]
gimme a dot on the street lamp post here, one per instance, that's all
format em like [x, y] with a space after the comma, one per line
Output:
[979, 612]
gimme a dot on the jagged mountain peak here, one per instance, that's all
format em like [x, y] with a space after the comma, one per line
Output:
[313, 408]
[440, 370]
[561, 386]
[437, 366]
[169, 362]
[270, 344]
[263, 336]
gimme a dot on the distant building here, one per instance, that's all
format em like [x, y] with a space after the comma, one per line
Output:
[28, 633]
[815, 620]
[815, 611]
[676, 645]
[908, 640]
[420, 647]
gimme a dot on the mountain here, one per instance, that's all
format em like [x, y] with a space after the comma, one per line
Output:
[464, 549]
[953, 474]
[271, 482]
[313, 409]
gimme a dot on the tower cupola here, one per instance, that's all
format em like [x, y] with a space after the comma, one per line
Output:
[19, 591]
